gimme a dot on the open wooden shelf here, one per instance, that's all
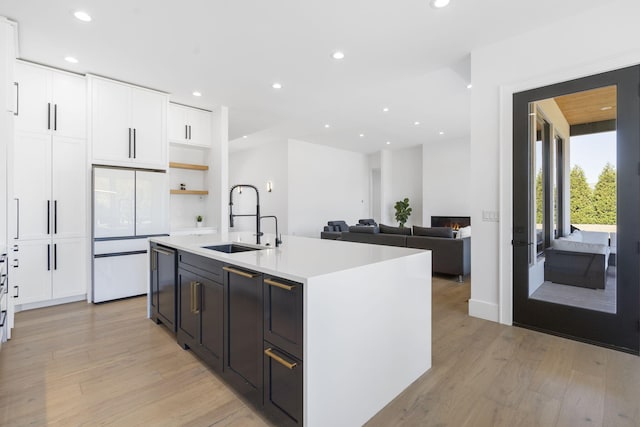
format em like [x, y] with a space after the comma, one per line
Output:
[188, 166]
[198, 192]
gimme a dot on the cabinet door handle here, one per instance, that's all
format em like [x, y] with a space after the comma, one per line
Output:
[55, 217]
[55, 256]
[196, 298]
[17, 218]
[48, 115]
[129, 142]
[55, 116]
[154, 259]
[279, 285]
[189, 132]
[289, 365]
[48, 216]
[16, 263]
[134, 143]
[186, 131]
[17, 85]
[49, 257]
[17, 295]
[240, 272]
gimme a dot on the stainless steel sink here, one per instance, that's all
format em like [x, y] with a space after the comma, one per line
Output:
[231, 248]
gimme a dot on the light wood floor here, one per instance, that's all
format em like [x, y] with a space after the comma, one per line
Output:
[86, 365]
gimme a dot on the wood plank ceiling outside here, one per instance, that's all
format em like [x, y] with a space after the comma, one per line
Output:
[590, 106]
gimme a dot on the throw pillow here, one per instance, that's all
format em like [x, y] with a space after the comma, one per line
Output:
[464, 232]
[387, 229]
[446, 232]
[367, 221]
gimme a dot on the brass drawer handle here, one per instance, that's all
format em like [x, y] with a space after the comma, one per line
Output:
[196, 299]
[269, 352]
[193, 294]
[279, 285]
[240, 272]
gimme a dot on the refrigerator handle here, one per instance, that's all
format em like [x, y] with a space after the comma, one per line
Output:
[55, 256]
[55, 217]
[55, 116]
[134, 143]
[48, 216]
[48, 116]
[129, 142]
[49, 257]
[17, 218]
[186, 131]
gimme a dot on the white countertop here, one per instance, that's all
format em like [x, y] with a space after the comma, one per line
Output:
[298, 258]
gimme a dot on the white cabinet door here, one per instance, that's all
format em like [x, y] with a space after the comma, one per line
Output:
[149, 111]
[178, 131]
[69, 187]
[34, 103]
[200, 131]
[69, 105]
[152, 203]
[32, 186]
[111, 122]
[32, 275]
[113, 202]
[69, 267]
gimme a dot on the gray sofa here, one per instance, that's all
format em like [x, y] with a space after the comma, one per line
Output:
[449, 255]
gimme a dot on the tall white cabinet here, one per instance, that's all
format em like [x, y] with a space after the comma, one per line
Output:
[48, 204]
[127, 125]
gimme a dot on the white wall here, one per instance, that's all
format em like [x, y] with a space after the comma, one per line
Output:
[256, 167]
[446, 179]
[325, 184]
[575, 50]
[406, 181]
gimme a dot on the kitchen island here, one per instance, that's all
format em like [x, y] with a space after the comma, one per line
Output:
[364, 331]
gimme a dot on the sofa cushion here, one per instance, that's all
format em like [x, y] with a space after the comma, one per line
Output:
[365, 229]
[387, 229]
[367, 221]
[571, 246]
[433, 231]
[598, 237]
[338, 225]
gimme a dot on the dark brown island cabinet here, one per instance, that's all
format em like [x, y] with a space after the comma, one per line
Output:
[163, 285]
[245, 325]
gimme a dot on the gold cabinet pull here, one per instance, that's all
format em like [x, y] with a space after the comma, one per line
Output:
[279, 285]
[192, 284]
[240, 272]
[269, 352]
[196, 299]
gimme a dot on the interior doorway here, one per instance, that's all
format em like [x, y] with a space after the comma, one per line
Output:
[576, 200]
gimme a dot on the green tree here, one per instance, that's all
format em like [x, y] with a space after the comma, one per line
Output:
[604, 196]
[539, 201]
[582, 211]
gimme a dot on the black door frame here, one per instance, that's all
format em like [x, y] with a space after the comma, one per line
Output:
[620, 330]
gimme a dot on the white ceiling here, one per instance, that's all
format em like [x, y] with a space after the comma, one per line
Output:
[400, 54]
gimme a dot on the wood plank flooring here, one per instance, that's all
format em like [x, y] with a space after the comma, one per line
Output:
[87, 365]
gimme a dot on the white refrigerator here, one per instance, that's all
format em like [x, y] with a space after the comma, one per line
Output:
[129, 205]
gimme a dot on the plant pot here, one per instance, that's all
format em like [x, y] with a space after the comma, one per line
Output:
[198, 224]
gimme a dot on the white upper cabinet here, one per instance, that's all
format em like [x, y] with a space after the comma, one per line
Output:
[127, 125]
[190, 126]
[50, 101]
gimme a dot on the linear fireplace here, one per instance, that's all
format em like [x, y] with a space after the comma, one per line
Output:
[454, 222]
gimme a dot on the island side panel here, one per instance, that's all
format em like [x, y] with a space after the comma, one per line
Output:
[367, 337]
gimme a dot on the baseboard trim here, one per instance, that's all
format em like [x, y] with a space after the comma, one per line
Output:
[49, 303]
[484, 310]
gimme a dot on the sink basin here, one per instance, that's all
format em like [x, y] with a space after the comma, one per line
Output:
[231, 248]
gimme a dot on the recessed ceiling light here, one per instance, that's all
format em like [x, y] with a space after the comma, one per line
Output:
[439, 3]
[388, 142]
[196, 93]
[441, 132]
[469, 86]
[244, 137]
[327, 126]
[362, 135]
[608, 107]
[337, 55]
[416, 123]
[83, 16]
[71, 59]
[385, 109]
[276, 85]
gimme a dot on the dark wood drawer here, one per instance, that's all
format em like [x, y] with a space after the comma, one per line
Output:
[282, 386]
[283, 321]
[212, 266]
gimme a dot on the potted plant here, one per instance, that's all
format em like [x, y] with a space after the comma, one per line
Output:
[199, 221]
[403, 211]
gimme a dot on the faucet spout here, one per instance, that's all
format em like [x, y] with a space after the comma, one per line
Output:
[257, 214]
[278, 236]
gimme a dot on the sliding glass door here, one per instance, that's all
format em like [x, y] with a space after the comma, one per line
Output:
[576, 208]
